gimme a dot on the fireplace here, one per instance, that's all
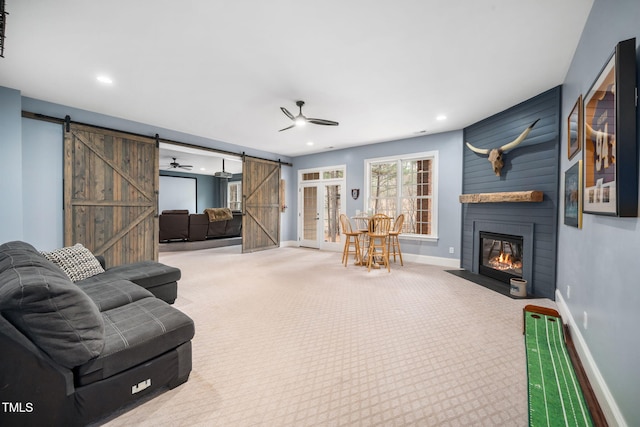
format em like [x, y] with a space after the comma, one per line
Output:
[501, 256]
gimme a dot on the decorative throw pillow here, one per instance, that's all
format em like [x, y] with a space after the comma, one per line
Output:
[76, 261]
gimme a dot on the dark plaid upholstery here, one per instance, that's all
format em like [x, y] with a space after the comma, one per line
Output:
[40, 301]
[146, 273]
[109, 291]
[135, 333]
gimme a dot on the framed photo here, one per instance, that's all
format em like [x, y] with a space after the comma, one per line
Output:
[610, 184]
[573, 195]
[574, 129]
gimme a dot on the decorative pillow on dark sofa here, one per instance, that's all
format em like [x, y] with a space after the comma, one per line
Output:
[76, 261]
[40, 301]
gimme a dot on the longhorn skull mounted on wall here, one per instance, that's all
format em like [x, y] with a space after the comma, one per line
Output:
[495, 154]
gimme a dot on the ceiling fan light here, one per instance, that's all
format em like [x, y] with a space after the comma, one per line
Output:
[300, 121]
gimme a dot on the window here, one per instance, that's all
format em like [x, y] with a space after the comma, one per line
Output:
[405, 184]
[234, 195]
[311, 176]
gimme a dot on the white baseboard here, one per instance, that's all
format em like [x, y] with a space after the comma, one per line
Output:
[432, 260]
[420, 259]
[605, 399]
[289, 244]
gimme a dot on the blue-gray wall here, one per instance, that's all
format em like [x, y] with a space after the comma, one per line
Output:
[42, 181]
[449, 149]
[600, 262]
[11, 171]
[532, 165]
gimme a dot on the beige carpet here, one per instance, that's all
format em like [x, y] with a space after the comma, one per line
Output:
[290, 337]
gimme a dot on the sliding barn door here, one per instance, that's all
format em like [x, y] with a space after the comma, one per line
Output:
[110, 194]
[261, 205]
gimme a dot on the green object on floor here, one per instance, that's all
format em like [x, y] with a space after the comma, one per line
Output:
[555, 395]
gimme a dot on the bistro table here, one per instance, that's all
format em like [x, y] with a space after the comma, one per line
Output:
[362, 222]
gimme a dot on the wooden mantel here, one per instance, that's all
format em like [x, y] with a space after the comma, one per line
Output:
[512, 196]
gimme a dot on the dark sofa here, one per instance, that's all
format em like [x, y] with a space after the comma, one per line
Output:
[72, 353]
[201, 228]
[179, 225]
[174, 225]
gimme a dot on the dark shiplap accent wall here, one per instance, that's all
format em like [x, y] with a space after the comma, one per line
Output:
[533, 165]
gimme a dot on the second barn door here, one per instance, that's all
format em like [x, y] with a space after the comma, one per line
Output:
[260, 204]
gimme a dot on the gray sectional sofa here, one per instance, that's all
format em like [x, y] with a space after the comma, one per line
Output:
[73, 352]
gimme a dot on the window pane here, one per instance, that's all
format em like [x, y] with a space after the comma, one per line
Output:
[234, 191]
[310, 213]
[338, 173]
[416, 187]
[383, 186]
[423, 216]
[312, 176]
[332, 213]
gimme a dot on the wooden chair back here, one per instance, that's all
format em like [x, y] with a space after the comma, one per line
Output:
[345, 224]
[397, 225]
[379, 224]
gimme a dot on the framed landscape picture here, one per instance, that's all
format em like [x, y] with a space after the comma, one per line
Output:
[610, 184]
[573, 195]
[574, 129]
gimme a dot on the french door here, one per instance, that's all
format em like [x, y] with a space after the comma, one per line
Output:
[320, 204]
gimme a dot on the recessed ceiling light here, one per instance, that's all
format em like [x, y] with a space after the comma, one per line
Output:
[441, 117]
[203, 169]
[104, 79]
[310, 143]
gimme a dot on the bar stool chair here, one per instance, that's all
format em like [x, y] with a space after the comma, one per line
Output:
[351, 238]
[362, 226]
[379, 226]
[394, 241]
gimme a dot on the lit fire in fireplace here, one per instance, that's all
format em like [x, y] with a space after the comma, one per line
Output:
[505, 261]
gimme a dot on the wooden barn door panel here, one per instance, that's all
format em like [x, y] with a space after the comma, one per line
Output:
[111, 182]
[261, 205]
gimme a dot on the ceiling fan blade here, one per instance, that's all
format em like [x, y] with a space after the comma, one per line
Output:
[323, 122]
[287, 113]
[289, 127]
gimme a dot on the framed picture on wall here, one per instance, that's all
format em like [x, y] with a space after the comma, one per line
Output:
[574, 129]
[573, 195]
[610, 184]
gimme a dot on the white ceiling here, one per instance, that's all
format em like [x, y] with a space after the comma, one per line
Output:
[221, 69]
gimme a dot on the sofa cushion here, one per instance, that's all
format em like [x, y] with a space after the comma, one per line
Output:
[76, 261]
[41, 302]
[109, 291]
[146, 273]
[134, 334]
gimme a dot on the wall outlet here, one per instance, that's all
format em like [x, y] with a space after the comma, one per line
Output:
[584, 320]
[451, 250]
[568, 292]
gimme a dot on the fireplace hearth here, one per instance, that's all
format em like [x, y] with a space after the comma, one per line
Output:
[501, 256]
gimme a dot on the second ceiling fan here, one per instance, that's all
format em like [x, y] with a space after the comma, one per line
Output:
[301, 120]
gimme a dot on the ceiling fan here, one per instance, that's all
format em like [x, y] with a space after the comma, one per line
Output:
[175, 165]
[301, 120]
